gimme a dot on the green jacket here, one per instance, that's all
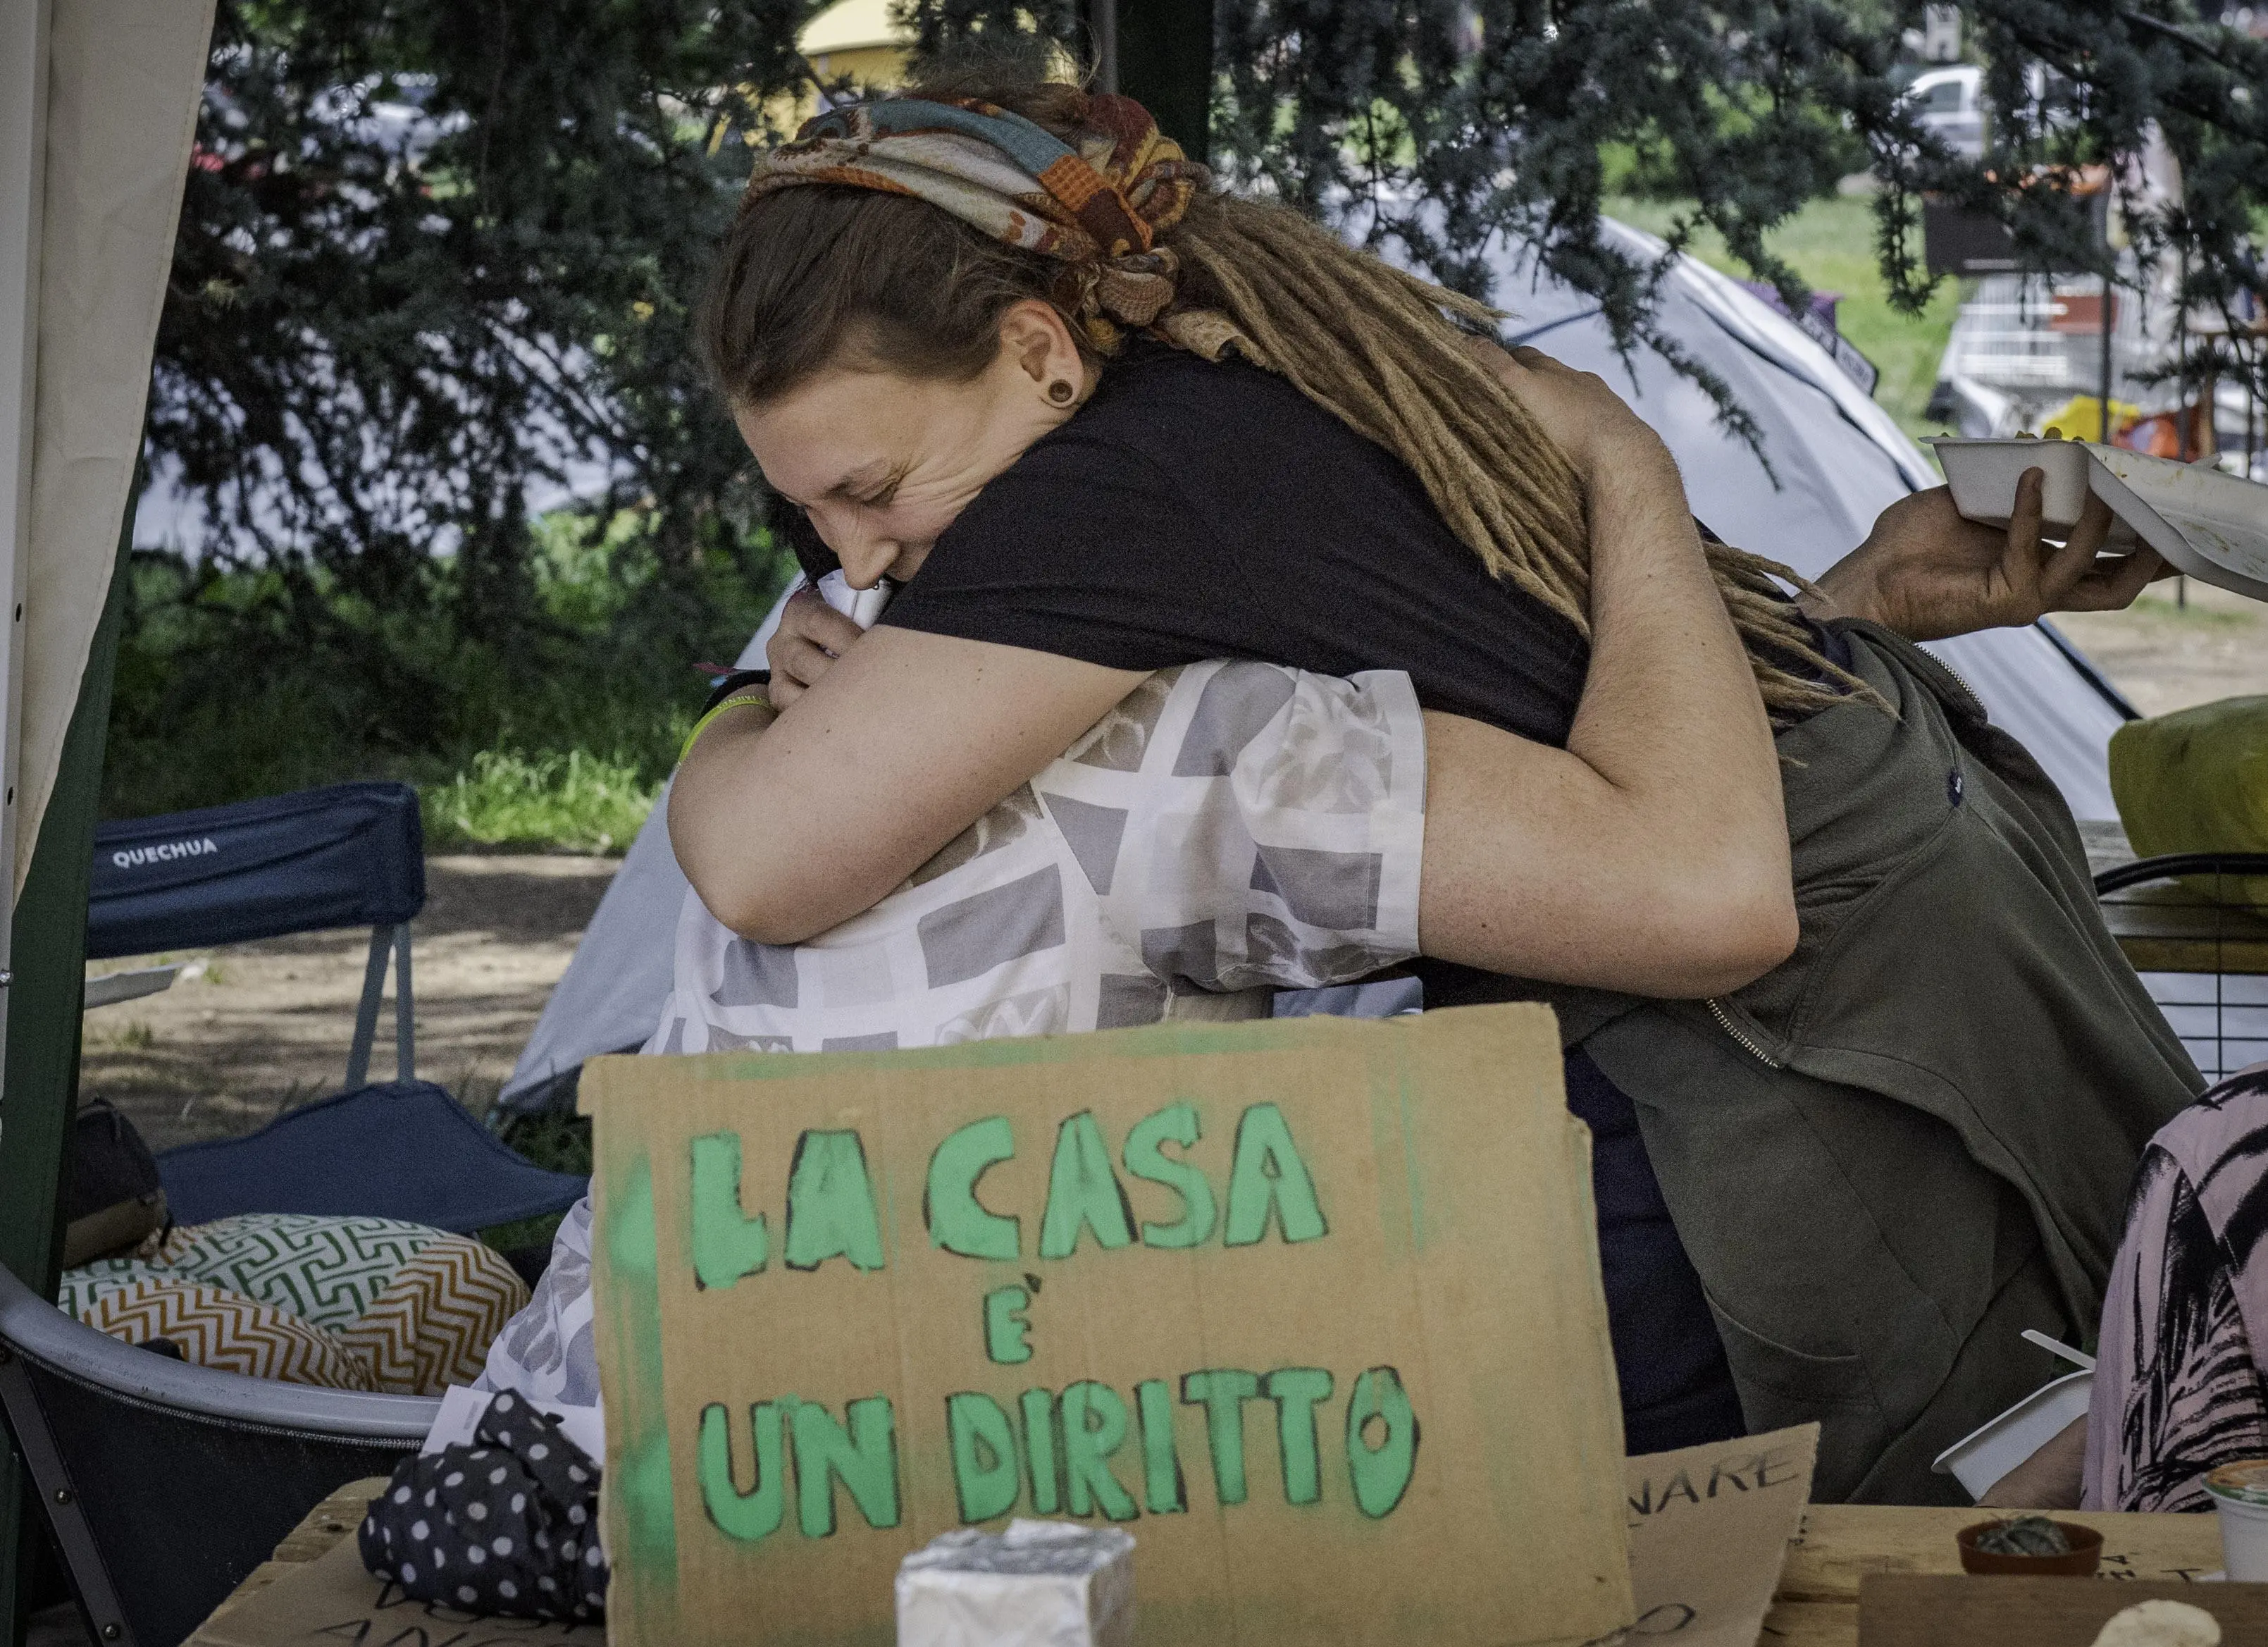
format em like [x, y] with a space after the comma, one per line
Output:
[1914, 1138]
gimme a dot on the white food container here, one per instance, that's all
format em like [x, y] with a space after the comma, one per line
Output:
[1041, 1583]
[2211, 526]
[2240, 1497]
[1983, 476]
[1987, 1453]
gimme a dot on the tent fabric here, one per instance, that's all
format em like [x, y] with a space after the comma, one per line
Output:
[125, 81]
[612, 1002]
[407, 1150]
[346, 855]
[611, 996]
[1836, 460]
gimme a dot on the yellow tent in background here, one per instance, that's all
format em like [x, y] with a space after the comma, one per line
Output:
[859, 39]
[2080, 417]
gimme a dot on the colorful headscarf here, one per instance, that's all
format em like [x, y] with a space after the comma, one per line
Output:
[1098, 207]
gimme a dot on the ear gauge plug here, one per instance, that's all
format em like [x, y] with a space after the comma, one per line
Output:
[1061, 391]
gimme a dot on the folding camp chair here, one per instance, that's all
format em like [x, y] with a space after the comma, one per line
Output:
[348, 855]
[166, 1484]
[2195, 926]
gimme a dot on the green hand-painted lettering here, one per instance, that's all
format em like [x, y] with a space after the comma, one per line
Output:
[957, 1220]
[1224, 1390]
[755, 1514]
[642, 1472]
[632, 1246]
[1295, 1391]
[1043, 1463]
[830, 1204]
[983, 1455]
[1083, 1191]
[1005, 1329]
[1093, 1427]
[1269, 1172]
[727, 1243]
[1164, 1492]
[1380, 1473]
[864, 1457]
[1176, 1123]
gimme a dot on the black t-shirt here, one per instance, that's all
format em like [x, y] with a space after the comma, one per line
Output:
[1193, 511]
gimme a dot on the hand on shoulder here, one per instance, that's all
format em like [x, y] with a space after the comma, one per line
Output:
[1592, 424]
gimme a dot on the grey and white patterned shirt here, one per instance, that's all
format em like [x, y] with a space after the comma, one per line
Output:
[1229, 830]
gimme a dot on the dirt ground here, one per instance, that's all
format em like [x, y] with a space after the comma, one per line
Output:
[2184, 643]
[250, 1029]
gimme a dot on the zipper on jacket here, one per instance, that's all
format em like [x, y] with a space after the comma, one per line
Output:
[1961, 681]
[1733, 1030]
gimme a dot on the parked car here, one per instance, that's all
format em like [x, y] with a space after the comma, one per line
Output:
[1950, 102]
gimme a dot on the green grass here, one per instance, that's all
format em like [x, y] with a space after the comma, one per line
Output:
[571, 802]
[560, 1142]
[553, 734]
[2204, 617]
[1831, 243]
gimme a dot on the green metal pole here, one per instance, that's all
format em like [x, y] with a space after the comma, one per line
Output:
[1165, 62]
[40, 1090]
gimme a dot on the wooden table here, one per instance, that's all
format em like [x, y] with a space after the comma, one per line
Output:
[1818, 1601]
[2166, 926]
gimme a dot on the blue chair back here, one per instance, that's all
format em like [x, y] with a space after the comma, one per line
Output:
[347, 855]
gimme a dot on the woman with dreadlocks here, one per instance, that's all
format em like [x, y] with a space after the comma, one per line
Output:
[1865, 1076]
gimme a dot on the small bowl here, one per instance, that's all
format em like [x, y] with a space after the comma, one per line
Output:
[2086, 1553]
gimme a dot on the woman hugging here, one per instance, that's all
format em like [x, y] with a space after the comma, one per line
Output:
[1259, 624]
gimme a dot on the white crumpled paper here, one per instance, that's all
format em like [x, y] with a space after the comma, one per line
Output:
[1041, 1583]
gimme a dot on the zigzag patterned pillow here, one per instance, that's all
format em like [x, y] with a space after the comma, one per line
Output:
[330, 1271]
[431, 1326]
[220, 1329]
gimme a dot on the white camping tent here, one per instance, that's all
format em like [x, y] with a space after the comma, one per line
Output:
[1836, 460]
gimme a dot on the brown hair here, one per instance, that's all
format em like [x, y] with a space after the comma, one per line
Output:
[824, 274]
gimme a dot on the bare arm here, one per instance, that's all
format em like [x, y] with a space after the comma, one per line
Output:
[1650, 854]
[905, 740]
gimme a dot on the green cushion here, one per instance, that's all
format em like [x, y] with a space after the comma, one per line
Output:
[2196, 780]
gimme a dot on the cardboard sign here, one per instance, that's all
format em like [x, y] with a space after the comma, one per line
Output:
[331, 1600]
[1310, 1307]
[1709, 1532]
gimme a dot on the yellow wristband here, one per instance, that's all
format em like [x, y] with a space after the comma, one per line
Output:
[701, 725]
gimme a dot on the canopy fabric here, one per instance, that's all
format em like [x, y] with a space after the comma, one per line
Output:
[125, 81]
[1836, 460]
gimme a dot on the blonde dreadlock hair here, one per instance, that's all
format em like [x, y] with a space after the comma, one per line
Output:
[813, 277]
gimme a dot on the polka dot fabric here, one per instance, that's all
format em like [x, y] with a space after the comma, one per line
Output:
[506, 1527]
